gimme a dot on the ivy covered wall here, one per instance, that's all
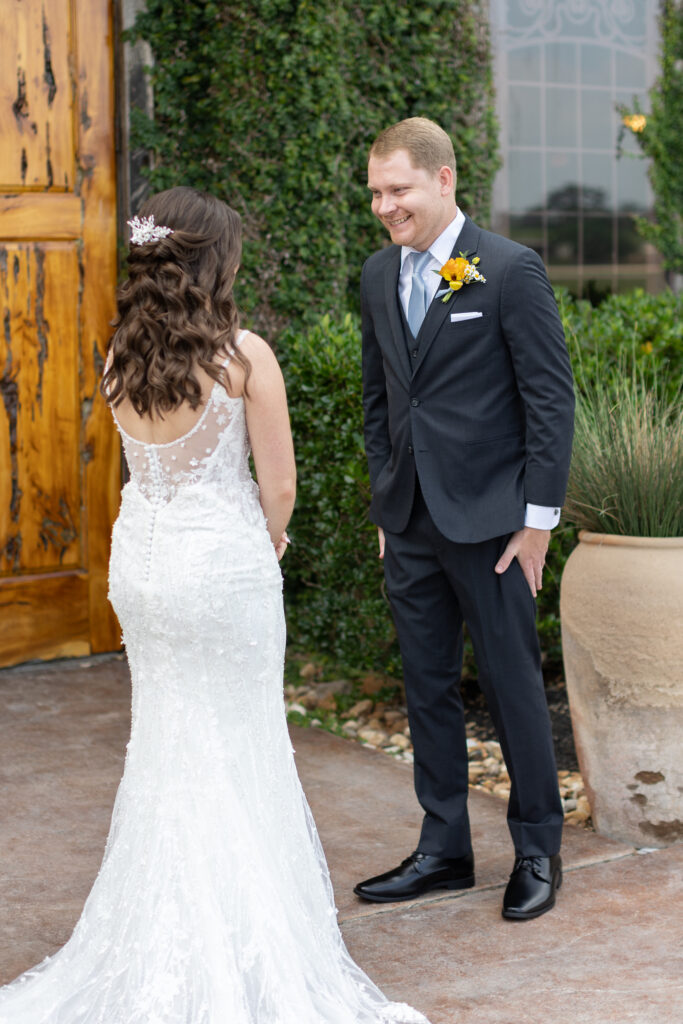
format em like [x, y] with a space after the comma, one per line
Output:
[273, 104]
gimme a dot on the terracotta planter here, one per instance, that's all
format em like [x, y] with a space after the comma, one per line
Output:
[621, 608]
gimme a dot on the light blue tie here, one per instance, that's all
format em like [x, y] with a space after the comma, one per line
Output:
[417, 303]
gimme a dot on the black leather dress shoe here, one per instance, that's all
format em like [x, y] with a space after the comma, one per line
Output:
[417, 874]
[532, 886]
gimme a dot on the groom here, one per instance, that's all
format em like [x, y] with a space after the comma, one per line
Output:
[468, 405]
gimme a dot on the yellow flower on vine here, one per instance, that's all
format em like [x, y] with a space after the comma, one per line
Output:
[636, 122]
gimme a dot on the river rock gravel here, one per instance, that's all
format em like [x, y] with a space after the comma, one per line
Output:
[384, 726]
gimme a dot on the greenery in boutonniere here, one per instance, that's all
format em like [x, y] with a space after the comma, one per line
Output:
[459, 271]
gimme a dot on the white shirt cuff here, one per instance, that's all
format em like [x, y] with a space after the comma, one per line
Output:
[541, 517]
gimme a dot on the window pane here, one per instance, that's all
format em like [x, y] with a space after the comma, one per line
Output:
[525, 181]
[596, 65]
[634, 24]
[517, 15]
[630, 71]
[528, 230]
[632, 184]
[561, 118]
[627, 98]
[524, 128]
[524, 64]
[631, 245]
[599, 120]
[562, 181]
[560, 62]
[597, 240]
[563, 240]
[597, 188]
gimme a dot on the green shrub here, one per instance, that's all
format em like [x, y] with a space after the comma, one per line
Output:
[333, 576]
[649, 326]
[272, 106]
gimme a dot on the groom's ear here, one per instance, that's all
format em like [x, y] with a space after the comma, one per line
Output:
[446, 180]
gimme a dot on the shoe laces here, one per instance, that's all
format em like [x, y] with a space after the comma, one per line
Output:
[532, 864]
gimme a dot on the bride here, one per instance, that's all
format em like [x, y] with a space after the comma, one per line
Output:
[213, 904]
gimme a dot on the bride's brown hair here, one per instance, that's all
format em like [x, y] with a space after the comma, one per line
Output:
[176, 309]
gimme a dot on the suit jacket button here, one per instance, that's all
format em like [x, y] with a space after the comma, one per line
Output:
[414, 353]
[410, 449]
[414, 402]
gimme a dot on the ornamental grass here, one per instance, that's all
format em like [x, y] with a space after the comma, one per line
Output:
[627, 462]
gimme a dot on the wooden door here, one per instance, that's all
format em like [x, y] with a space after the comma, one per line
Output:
[59, 455]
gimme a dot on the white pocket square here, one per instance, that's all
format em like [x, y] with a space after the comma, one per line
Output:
[464, 316]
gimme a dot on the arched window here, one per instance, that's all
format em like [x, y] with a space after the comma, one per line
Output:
[561, 68]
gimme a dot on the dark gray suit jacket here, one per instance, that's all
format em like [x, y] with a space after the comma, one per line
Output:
[481, 409]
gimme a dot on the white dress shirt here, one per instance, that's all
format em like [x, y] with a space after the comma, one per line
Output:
[540, 517]
[441, 251]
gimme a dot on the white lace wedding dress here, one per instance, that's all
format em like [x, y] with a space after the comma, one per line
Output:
[213, 904]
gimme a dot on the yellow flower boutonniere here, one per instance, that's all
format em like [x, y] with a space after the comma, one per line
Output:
[459, 271]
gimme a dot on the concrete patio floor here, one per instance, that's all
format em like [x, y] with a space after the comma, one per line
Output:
[611, 951]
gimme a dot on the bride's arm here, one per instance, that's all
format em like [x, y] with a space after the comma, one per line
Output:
[270, 435]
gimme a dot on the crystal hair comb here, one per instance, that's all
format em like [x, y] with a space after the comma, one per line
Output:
[144, 230]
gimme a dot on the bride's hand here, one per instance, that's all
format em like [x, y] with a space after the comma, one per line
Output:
[282, 545]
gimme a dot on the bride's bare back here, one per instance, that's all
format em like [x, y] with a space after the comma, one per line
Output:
[155, 429]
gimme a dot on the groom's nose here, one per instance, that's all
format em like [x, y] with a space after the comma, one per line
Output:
[386, 205]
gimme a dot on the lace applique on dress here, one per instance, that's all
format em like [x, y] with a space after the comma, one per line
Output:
[214, 455]
[159, 470]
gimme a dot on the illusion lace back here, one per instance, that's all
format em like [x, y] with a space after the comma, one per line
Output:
[213, 904]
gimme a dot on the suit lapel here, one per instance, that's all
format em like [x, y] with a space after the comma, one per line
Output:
[467, 242]
[391, 298]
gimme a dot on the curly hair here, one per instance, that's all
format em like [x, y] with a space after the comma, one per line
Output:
[176, 309]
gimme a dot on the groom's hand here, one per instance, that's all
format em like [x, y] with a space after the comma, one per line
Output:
[529, 547]
[380, 538]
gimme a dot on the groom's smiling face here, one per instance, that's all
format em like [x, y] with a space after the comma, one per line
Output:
[414, 205]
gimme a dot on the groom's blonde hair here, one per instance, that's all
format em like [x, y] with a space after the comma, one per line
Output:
[427, 144]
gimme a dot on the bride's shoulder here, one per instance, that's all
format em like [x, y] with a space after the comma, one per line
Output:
[254, 347]
[258, 353]
[260, 358]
